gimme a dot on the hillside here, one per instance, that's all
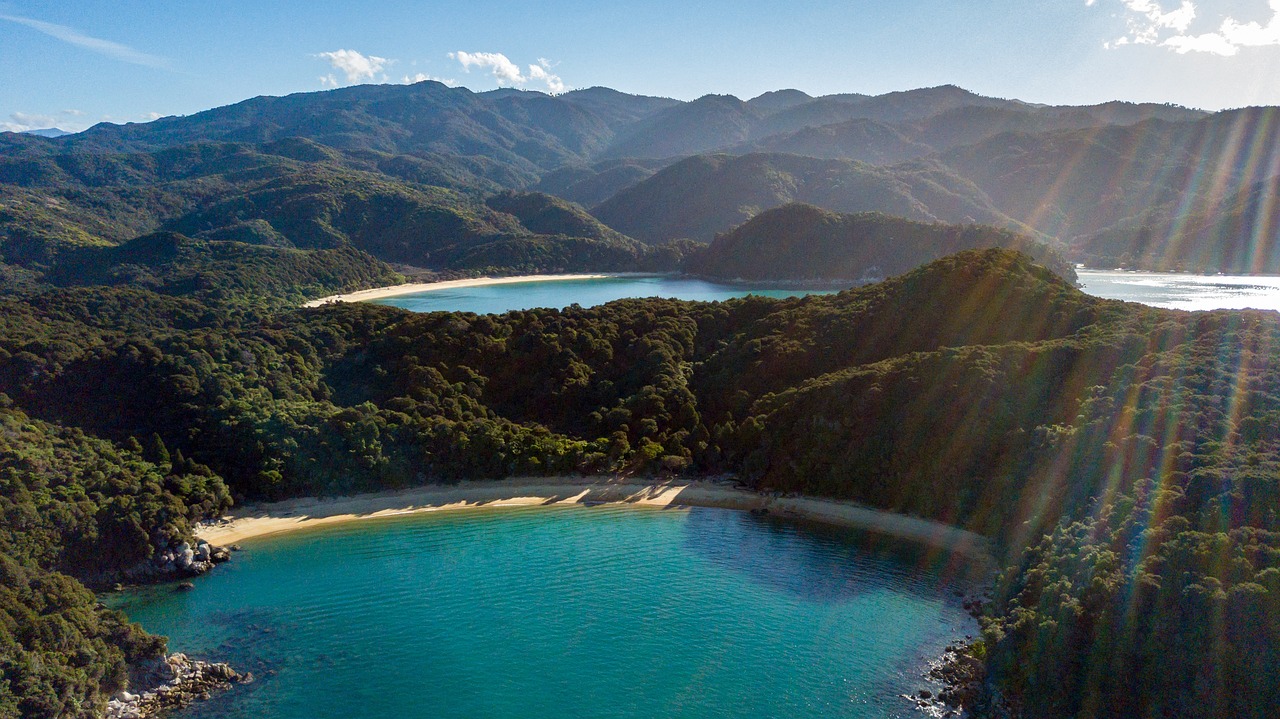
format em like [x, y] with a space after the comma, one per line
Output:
[863, 140]
[1075, 183]
[172, 264]
[704, 195]
[980, 390]
[1236, 234]
[294, 194]
[802, 242]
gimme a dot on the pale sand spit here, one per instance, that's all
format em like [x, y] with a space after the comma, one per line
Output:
[265, 519]
[378, 293]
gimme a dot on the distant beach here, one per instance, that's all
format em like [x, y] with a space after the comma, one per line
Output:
[258, 520]
[378, 293]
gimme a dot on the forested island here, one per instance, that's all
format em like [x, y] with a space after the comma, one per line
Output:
[155, 367]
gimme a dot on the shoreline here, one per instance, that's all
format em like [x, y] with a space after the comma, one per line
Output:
[378, 293]
[266, 519]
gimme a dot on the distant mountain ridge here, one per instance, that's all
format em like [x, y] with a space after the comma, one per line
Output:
[1099, 178]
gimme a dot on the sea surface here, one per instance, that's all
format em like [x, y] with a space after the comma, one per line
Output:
[491, 299]
[568, 612]
[1174, 291]
[1183, 291]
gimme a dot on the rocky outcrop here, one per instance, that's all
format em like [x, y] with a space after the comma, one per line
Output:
[178, 561]
[171, 683]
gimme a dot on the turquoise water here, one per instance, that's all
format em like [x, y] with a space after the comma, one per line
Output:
[567, 612]
[1174, 291]
[491, 299]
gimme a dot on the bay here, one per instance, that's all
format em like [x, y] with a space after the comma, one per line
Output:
[553, 612]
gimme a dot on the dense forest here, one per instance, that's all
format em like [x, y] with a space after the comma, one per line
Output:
[798, 242]
[1124, 458]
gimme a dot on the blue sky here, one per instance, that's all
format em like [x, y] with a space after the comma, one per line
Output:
[77, 62]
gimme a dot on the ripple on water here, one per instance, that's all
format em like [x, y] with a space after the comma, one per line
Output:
[551, 612]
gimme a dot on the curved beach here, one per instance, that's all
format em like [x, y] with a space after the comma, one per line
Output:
[258, 520]
[378, 293]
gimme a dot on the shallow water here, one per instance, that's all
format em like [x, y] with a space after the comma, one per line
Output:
[490, 299]
[1173, 291]
[568, 612]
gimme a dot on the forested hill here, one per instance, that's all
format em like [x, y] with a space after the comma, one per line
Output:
[1146, 185]
[799, 242]
[1126, 459]
[705, 195]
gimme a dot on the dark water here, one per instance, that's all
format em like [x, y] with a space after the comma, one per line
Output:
[567, 612]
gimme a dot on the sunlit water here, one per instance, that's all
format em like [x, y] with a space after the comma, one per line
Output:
[567, 612]
[1174, 291]
[1184, 292]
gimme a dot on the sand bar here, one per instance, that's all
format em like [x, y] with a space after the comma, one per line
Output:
[260, 520]
[378, 293]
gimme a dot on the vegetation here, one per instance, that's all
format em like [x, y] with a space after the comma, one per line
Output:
[708, 194]
[800, 242]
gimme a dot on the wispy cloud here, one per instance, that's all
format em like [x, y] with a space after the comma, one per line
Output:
[423, 77]
[1150, 24]
[507, 73]
[23, 121]
[72, 36]
[356, 66]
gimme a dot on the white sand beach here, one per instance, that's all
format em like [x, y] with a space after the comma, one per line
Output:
[378, 293]
[265, 519]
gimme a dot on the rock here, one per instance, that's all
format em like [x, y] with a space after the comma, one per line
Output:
[184, 586]
[220, 554]
[124, 697]
[203, 552]
[925, 694]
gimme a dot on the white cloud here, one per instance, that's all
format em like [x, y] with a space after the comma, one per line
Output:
[505, 72]
[30, 121]
[423, 77]
[1150, 24]
[1212, 43]
[73, 36]
[24, 121]
[541, 72]
[356, 66]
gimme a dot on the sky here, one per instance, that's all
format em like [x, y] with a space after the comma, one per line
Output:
[74, 63]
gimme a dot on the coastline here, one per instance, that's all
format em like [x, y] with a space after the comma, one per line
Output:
[261, 520]
[378, 293]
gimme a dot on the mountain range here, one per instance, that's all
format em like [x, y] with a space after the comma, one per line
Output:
[403, 172]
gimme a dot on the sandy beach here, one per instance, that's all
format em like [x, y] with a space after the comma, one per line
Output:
[261, 520]
[378, 293]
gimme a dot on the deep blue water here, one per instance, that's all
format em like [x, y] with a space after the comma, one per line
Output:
[567, 612]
